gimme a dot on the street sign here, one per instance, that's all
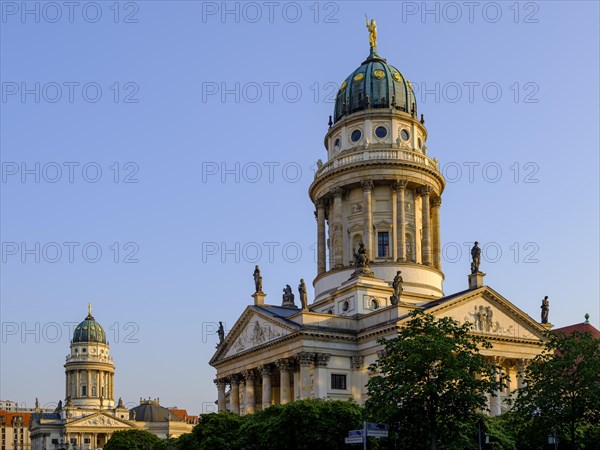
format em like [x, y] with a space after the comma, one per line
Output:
[377, 433]
[355, 433]
[354, 440]
[377, 430]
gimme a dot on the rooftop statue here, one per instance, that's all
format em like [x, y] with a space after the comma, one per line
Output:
[397, 286]
[303, 295]
[288, 297]
[372, 27]
[362, 263]
[257, 279]
[476, 258]
[545, 309]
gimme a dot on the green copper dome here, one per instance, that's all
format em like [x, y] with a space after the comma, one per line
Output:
[374, 85]
[89, 330]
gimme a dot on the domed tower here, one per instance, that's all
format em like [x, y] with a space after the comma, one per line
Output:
[378, 186]
[89, 367]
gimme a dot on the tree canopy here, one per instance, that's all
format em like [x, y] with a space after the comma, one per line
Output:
[431, 381]
[134, 440]
[562, 388]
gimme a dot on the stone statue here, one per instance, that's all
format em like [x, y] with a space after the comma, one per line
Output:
[476, 258]
[59, 407]
[69, 403]
[257, 279]
[372, 27]
[545, 309]
[303, 295]
[120, 403]
[288, 297]
[221, 333]
[37, 404]
[397, 286]
[362, 264]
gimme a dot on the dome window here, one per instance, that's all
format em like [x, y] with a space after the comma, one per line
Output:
[381, 132]
[358, 77]
[356, 135]
[337, 143]
[379, 74]
[405, 135]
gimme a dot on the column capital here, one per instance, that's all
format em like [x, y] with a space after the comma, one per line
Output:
[425, 190]
[284, 365]
[367, 185]
[249, 374]
[220, 382]
[265, 370]
[357, 361]
[321, 203]
[337, 192]
[436, 202]
[305, 359]
[234, 379]
[322, 359]
[399, 185]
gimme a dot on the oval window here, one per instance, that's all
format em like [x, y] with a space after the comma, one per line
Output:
[374, 304]
[356, 135]
[405, 135]
[346, 306]
[380, 132]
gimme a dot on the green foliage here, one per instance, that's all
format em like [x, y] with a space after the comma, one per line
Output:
[134, 440]
[217, 432]
[431, 382]
[562, 388]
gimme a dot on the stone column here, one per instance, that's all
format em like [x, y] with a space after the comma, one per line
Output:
[425, 192]
[496, 400]
[338, 236]
[220, 382]
[284, 380]
[250, 375]
[321, 361]
[305, 360]
[400, 188]
[356, 362]
[77, 387]
[265, 371]
[321, 265]
[520, 367]
[437, 241]
[367, 187]
[89, 384]
[234, 393]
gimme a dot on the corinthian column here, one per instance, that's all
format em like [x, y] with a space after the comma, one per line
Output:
[425, 192]
[249, 375]
[305, 360]
[265, 371]
[284, 381]
[338, 237]
[400, 188]
[437, 242]
[234, 393]
[220, 394]
[321, 265]
[367, 187]
[321, 361]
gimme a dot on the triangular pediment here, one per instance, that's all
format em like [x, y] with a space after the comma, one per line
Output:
[256, 327]
[100, 420]
[490, 314]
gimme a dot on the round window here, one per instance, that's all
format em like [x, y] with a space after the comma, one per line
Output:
[346, 306]
[381, 132]
[405, 135]
[337, 143]
[356, 135]
[374, 304]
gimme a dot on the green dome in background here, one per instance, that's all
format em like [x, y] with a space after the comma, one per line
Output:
[89, 330]
[374, 85]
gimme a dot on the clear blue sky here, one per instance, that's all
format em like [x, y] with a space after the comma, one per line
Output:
[527, 106]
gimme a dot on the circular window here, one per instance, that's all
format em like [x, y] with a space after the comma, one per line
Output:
[420, 143]
[83, 350]
[337, 143]
[343, 86]
[358, 77]
[374, 304]
[356, 135]
[380, 132]
[404, 134]
[379, 74]
[346, 306]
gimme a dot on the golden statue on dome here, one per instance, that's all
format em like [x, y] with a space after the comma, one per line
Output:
[372, 27]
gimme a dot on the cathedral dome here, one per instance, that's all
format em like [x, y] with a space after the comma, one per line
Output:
[374, 85]
[89, 330]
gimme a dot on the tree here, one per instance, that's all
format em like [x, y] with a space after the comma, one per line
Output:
[562, 386]
[216, 431]
[134, 440]
[431, 381]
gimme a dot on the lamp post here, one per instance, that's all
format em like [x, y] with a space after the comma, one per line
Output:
[553, 439]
